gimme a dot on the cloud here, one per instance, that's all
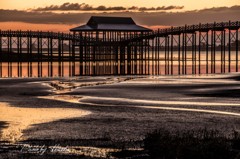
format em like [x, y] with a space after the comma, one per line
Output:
[79, 7]
[144, 18]
[133, 8]
[163, 8]
[103, 8]
[86, 7]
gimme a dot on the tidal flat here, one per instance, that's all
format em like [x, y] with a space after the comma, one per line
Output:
[94, 116]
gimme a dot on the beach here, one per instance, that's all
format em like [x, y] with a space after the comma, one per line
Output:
[90, 111]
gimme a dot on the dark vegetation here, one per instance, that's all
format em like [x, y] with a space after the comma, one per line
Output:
[201, 144]
[164, 144]
[2, 126]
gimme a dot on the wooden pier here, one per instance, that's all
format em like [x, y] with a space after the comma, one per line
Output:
[122, 48]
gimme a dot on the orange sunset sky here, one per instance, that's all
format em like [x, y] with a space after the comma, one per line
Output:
[61, 15]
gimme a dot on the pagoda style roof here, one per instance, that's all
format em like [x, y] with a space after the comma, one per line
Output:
[99, 23]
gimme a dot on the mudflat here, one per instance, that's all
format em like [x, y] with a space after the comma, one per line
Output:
[82, 111]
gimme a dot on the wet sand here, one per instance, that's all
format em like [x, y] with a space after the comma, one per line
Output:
[19, 119]
[127, 108]
[82, 111]
[19, 109]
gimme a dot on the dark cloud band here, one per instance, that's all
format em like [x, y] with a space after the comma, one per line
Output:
[143, 18]
[86, 7]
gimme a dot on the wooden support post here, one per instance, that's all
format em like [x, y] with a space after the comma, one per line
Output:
[158, 56]
[195, 53]
[38, 54]
[72, 55]
[51, 57]
[165, 57]
[229, 49]
[60, 50]
[135, 59]
[141, 58]
[207, 47]
[122, 60]
[81, 59]
[168, 55]
[30, 52]
[129, 60]
[18, 54]
[94, 60]
[154, 62]
[179, 54]
[1, 52]
[85, 54]
[199, 51]
[224, 51]
[116, 60]
[148, 56]
[10, 55]
[70, 47]
[237, 43]
[212, 43]
[214, 52]
[145, 56]
[172, 54]
[183, 53]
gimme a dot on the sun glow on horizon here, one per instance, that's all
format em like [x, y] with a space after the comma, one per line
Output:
[52, 27]
[36, 27]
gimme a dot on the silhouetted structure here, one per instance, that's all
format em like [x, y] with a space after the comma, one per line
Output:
[102, 48]
[118, 46]
[110, 24]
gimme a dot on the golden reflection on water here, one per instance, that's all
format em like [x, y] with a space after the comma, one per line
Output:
[66, 67]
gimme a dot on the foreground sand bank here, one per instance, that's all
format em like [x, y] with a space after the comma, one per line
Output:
[19, 119]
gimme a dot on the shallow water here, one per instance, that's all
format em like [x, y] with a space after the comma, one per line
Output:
[151, 64]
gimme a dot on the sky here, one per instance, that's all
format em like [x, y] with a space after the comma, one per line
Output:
[188, 4]
[61, 15]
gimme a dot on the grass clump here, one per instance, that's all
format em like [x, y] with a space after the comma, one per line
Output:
[198, 144]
